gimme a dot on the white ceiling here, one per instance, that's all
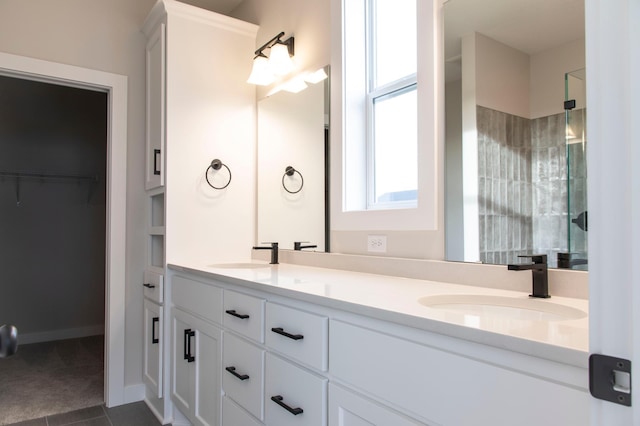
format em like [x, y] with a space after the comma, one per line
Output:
[220, 6]
[530, 26]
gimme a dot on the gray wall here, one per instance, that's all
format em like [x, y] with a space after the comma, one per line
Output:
[100, 35]
[52, 244]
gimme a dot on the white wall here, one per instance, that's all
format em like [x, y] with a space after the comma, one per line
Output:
[547, 77]
[308, 21]
[454, 226]
[210, 114]
[101, 35]
[502, 77]
[52, 244]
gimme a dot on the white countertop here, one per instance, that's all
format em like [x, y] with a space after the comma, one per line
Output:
[397, 300]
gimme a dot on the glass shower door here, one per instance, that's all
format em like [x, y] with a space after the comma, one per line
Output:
[576, 149]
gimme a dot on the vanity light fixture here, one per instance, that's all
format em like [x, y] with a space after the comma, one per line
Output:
[266, 69]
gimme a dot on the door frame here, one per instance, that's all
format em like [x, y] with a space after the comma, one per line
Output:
[115, 273]
[613, 87]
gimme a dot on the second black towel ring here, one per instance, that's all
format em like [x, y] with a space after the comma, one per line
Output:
[217, 165]
[289, 171]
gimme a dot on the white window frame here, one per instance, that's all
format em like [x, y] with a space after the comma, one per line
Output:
[348, 129]
[401, 85]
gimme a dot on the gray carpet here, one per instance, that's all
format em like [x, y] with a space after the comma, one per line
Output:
[47, 378]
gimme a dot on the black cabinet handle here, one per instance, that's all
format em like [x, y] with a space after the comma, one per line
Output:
[280, 331]
[278, 400]
[154, 339]
[188, 334]
[232, 370]
[147, 285]
[233, 313]
[156, 154]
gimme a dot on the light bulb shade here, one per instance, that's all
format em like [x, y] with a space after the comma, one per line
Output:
[261, 73]
[279, 60]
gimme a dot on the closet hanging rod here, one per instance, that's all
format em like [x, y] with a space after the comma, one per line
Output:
[45, 176]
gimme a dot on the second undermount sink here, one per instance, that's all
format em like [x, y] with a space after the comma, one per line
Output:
[527, 309]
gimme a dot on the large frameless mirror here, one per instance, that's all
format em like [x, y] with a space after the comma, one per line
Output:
[515, 131]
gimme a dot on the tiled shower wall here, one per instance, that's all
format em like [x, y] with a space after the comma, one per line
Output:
[505, 191]
[522, 170]
[549, 176]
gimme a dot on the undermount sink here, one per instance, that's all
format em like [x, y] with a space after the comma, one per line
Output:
[527, 309]
[240, 265]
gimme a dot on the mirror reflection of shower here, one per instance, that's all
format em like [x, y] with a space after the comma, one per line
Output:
[515, 156]
[576, 157]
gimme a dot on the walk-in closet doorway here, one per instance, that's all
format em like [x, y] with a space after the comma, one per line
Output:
[53, 144]
[66, 191]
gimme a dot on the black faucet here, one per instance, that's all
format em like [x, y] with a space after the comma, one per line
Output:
[274, 252]
[566, 261]
[297, 245]
[539, 271]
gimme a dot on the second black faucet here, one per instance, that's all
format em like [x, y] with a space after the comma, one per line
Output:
[274, 251]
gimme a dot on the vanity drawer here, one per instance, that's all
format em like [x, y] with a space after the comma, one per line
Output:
[196, 297]
[243, 374]
[298, 334]
[244, 314]
[290, 389]
[153, 286]
[232, 415]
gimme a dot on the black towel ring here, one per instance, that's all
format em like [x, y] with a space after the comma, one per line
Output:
[289, 171]
[217, 165]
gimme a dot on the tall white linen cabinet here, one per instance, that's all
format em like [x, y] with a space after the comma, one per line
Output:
[198, 108]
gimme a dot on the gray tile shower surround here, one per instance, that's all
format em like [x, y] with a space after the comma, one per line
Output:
[522, 186]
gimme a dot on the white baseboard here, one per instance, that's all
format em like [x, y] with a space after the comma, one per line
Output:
[68, 333]
[134, 393]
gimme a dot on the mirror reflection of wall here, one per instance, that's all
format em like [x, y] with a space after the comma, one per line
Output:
[511, 168]
[291, 132]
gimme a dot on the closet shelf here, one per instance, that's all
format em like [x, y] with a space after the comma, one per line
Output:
[93, 180]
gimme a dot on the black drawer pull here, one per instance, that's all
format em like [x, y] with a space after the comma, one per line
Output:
[156, 156]
[232, 370]
[280, 331]
[278, 400]
[154, 339]
[233, 313]
[188, 334]
[147, 285]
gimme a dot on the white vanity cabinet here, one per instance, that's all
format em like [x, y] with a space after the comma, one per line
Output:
[323, 366]
[349, 409]
[195, 387]
[451, 382]
[196, 350]
[153, 331]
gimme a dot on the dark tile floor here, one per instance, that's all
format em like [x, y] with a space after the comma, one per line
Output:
[136, 414]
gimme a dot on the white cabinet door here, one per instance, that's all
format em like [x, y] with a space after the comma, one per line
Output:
[153, 347]
[349, 409]
[207, 384]
[196, 387]
[155, 123]
[181, 383]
